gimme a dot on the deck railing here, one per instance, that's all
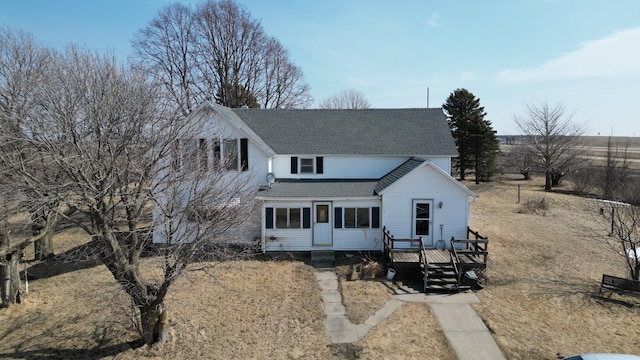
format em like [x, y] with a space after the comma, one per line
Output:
[472, 255]
[391, 243]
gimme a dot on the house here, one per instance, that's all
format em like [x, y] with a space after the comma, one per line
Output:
[332, 179]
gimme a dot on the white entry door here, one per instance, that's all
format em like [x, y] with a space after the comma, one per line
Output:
[423, 221]
[322, 224]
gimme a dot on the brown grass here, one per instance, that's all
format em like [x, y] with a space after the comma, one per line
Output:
[364, 287]
[412, 332]
[541, 299]
[543, 275]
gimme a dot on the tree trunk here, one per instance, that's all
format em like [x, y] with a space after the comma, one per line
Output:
[10, 288]
[153, 323]
[5, 284]
[547, 181]
[43, 248]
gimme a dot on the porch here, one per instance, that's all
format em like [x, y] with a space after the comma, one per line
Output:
[459, 268]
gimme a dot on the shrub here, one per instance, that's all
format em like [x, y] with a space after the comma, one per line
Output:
[535, 206]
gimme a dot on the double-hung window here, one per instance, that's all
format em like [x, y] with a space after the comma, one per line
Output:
[230, 148]
[306, 166]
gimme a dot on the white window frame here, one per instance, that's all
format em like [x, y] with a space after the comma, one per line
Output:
[357, 224]
[288, 209]
[223, 154]
[301, 166]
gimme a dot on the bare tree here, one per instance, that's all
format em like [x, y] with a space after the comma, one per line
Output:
[284, 85]
[167, 46]
[519, 157]
[552, 139]
[346, 99]
[22, 65]
[214, 49]
[623, 222]
[106, 128]
[616, 171]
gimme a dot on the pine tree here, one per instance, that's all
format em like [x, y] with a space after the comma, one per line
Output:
[475, 138]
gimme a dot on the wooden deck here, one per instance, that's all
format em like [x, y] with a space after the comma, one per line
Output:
[409, 256]
[434, 256]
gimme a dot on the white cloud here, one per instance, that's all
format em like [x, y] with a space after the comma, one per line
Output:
[617, 55]
[432, 21]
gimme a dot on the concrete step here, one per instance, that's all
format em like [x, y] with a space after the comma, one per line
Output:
[323, 258]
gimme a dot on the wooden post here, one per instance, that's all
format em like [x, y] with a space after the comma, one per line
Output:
[518, 194]
[613, 212]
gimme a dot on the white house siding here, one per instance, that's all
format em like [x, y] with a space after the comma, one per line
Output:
[426, 183]
[359, 238]
[443, 163]
[258, 165]
[286, 239]
[214, 128]
[302, 239]
[347, 167]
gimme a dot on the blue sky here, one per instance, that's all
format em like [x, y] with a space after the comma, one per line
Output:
[582, 53]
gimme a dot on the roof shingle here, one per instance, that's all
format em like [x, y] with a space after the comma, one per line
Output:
[344, 132]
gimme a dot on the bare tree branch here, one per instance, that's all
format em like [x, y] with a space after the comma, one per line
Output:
[346, 99]
[552, 139]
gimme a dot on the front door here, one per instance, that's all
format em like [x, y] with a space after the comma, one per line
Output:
[422, 221]
[322, 235]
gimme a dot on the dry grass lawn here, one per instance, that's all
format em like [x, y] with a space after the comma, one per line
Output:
[541, 300]
[544, 271]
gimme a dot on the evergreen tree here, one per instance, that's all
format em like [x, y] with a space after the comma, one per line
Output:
[475, 138]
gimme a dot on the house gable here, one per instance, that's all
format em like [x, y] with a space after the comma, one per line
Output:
[395, 177]
[210, 111]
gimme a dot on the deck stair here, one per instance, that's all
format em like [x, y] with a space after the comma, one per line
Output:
[458, 268]
[440, 277]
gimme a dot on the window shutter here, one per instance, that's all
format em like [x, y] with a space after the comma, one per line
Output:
[216, 154]
[319, 165]
[244, 155]
[294, 164]
[337, 219]
[306, 218]
[269, 218]
[375, 217]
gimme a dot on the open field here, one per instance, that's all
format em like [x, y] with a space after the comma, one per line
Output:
[544, 270]
[541, 299]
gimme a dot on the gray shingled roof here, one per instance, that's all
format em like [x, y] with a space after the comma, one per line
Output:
[344, 132]
[319, 189]
[397, 173]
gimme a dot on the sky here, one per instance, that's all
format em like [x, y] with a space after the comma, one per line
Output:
[583, 54]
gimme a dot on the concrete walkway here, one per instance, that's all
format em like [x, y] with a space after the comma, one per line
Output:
[340, 328]
[464, 329]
